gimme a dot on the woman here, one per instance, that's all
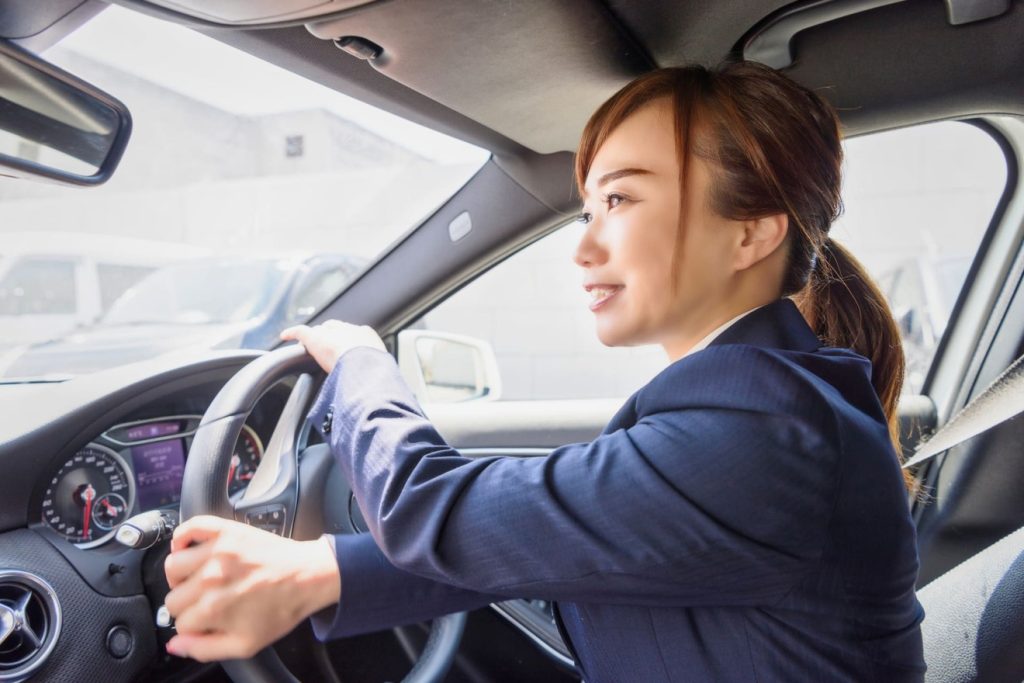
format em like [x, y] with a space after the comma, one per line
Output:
[743, 516]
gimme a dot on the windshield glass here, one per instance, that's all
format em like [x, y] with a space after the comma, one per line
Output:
[248, 195]
[199, 293]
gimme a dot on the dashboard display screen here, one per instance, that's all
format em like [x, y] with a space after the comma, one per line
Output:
[152, 430]
[159, 468]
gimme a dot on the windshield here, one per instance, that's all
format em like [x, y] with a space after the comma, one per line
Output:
[246, 193]
[200, 293]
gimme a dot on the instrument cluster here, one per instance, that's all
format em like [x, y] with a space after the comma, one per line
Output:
[132, 467]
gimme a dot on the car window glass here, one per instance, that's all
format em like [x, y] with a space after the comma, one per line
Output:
[317, 291]
[917, 202]
[115, 279]
[200, 292]
[38, 287]
[230, 158]
[532, 310]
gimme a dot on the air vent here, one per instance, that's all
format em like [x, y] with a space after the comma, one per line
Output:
[29, 623]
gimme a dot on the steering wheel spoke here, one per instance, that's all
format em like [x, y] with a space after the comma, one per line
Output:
[271, 500]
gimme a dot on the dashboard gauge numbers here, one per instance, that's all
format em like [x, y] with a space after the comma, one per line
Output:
[244, 461]
[89, 495]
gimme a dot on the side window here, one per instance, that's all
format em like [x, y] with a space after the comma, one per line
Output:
[38, 286]
[917, 203]
[533, 311]
[116, 279]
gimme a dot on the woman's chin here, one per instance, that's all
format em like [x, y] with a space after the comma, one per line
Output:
[611, 335]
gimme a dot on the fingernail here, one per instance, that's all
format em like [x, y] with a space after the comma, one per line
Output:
[173, 649]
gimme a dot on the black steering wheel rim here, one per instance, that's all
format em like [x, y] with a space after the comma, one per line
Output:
[203, 493]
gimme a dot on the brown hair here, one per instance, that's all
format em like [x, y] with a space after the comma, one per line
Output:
[774, 147]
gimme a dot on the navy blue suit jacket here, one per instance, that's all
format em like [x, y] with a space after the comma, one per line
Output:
[741, 518]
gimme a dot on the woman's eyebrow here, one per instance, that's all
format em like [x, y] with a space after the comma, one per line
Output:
[621, 173]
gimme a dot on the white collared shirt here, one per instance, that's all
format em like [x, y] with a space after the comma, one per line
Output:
[703, 343]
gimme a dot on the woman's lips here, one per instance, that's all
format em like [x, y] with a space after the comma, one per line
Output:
[601, 294]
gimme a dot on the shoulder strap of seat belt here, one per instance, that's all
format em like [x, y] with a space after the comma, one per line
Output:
[1000, 401]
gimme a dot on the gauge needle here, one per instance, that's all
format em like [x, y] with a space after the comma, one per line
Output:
[88, 495]
[234, 466]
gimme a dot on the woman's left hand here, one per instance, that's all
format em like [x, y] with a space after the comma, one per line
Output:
[237, 589]
[327, 341]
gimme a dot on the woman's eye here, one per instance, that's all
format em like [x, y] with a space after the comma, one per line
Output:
[614, 200]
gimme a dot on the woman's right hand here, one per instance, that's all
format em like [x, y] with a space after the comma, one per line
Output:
[236, 589]
[327, 341]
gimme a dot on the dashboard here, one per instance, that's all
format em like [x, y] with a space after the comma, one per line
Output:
[132, 467]
[79, 457]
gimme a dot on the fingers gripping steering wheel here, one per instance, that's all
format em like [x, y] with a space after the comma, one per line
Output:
[274, 496]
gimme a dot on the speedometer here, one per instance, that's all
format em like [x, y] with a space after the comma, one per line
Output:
[89, 496]
[245, 460]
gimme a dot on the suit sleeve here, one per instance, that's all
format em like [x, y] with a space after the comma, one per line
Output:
[377, 595]
[703, 506]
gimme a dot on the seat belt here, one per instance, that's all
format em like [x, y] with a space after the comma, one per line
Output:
[1000, 401]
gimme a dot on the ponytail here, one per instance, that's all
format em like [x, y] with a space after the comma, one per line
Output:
[845, 308]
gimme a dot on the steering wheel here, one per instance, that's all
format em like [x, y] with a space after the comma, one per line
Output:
[285, 495]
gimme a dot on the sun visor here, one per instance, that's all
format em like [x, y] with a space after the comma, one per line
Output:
[536, 84]
[256, 12]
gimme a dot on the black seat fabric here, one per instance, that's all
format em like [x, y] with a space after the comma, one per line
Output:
[973, 628]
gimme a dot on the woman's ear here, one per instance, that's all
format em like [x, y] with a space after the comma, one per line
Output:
[760, 239]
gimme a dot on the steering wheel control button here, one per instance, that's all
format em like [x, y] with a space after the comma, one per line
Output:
[164, 618]
[120, 642]
[129, 536]
[270, 518]
[147, 529]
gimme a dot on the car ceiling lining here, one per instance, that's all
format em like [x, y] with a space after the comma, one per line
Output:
[35, 25]
[460, 51]
[574, 53]
[904, 64]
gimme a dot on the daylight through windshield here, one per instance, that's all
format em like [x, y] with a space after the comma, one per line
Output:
[198, 293]
[248, 197]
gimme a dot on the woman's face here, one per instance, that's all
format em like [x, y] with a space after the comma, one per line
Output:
[632, 198]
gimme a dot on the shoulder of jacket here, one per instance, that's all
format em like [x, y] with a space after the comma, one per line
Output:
[750, 378]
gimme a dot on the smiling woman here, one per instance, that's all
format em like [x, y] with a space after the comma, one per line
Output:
[733, 510]
[745, 506]
[229, 155]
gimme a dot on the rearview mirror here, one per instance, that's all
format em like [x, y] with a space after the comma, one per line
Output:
[54, 126]
[445, 368]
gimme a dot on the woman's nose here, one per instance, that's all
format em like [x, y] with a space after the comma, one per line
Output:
[589, 251]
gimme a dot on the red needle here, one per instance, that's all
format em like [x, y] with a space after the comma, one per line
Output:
[234, 465]
[88, 494]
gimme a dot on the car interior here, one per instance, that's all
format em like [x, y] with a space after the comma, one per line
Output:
[518, 79]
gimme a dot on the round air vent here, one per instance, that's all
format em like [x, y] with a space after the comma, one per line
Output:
[29, 623]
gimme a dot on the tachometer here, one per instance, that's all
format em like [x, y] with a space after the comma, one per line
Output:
[244, 460]
[89, 496]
